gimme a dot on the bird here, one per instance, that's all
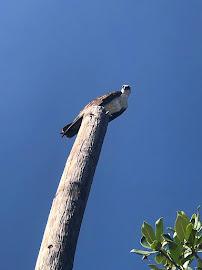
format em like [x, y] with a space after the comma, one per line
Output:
[115, 103]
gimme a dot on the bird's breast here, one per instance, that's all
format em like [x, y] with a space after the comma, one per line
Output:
[116, 104]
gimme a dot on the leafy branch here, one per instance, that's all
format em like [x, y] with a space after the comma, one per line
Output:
[178, 249]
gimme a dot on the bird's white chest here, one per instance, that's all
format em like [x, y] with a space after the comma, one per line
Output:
[117, 104]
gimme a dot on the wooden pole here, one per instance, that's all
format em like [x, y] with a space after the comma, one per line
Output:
[60, 237]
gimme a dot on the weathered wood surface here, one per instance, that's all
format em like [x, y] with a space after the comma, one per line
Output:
[60, 237]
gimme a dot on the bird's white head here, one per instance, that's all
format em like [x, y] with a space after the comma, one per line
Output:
[125, 89]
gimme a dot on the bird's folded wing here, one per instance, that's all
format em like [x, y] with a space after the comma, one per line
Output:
[102, 100]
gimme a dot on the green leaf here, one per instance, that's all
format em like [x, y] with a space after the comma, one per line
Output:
[188, 259]
[148, 232]
[159, 229]
[175, 251]
[199, 232]
[197, 220]
[156, 245]
[144, 242]
[187, 254]
[192, 238]
[153, 267]
[193, 217]
[189, 229]
[198, 227]
[186, 265]
[180, 225]
[142, 252]
[199, 264]
[199, 240]
[164, 261]
[182, 213]
[159, 258]
[176, 239]
[167, 237]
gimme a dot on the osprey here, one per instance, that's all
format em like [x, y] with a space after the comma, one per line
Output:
[115, 103]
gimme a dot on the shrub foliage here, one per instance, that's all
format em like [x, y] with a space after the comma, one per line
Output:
[179, 248]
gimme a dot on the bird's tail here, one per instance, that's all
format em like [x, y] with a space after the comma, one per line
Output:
[71, 129]
[65, 128]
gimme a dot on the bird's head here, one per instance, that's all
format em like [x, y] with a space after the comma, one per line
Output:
[125, 89]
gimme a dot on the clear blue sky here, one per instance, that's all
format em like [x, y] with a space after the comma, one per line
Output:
[58, 55]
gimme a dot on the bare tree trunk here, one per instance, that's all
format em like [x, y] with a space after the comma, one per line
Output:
[62, 229]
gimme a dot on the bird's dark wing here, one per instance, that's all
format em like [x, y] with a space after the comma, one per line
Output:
[115, 115]
[102, 100]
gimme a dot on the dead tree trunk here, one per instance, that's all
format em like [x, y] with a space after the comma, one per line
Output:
[62, 229]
